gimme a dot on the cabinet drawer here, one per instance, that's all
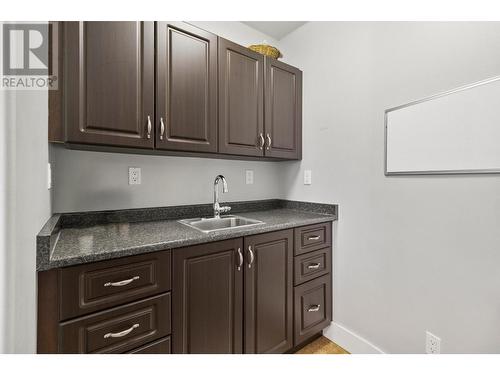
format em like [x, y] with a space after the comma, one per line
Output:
[117, 330]
[311, 265]
[313, 307]
[162, 346]
[312, 237]
[96, 286]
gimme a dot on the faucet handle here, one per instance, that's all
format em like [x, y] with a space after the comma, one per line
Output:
[224, 209]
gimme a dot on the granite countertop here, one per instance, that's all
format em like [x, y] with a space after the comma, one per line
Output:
[64, 242]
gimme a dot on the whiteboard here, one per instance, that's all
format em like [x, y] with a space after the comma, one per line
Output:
[449, 133]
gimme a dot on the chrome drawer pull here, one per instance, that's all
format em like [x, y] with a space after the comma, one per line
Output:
[149, 127]
[252, 256]
[314, 308]
[240, 257]
[314, 266]
[269, 141]
[162, 128]
[122, 333]
[262, 141]
[314, 238]
[123, 282]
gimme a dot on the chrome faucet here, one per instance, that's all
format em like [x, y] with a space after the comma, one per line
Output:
[217, 208]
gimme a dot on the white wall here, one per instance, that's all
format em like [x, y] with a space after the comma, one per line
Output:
[30, 210]
[5, 118]
[25, 207]
[98, 181]
[235, 31]
[87, 181]
[411, 253]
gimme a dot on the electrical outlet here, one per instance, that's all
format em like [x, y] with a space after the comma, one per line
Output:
[432, 343]
[307, 177]
[134, 176]
[249, 177]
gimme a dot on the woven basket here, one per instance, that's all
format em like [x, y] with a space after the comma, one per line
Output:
[266, 50]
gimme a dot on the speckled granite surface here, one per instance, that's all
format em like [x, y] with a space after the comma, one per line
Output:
[64, 242]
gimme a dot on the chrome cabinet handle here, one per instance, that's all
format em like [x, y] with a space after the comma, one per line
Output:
[123, 282]
[314, 308]
[122, 333]
[268, 141]
[240, 257]
[262, 141]
[314, 238]
[314, 266]
[162, 128]
[149, 127]
[252, 256]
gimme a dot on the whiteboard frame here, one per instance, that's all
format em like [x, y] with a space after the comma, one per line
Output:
[444, 171]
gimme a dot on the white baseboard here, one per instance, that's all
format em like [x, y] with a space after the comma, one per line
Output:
[349, 340]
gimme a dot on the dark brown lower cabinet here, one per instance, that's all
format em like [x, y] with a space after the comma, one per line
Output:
[208, 288]
[269, 292]
[244, 295]
[162, 346]
[119, 329]
[208, 298]
[313, 307]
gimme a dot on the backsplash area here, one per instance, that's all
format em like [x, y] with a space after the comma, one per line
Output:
[88, 181]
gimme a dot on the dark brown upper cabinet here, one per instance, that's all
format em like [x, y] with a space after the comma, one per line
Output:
[208, 298]
[186, 88]
[269, 292]
[241, 100]
[170, 87]
[109, 83]
[283, 110]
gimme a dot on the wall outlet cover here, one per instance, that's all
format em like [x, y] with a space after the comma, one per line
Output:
[134, 176]
[249, 177]
[432, 343]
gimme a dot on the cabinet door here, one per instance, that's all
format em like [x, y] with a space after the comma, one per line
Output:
[186, 88]
[241, 100]
[269, 292]
[109, 83]
[283, 118]
[208, 298]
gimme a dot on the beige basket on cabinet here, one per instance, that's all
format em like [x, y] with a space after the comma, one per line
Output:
[266, 50]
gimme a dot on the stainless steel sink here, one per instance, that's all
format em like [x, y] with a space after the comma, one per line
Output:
[213, 224]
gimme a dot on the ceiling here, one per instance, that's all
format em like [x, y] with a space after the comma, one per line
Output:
[276, 29]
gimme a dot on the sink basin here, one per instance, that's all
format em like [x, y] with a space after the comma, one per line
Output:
[212, 224]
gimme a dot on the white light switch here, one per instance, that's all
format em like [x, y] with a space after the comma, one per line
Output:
[249, 177]
[307, 177]
[49, 176]
[134, 176]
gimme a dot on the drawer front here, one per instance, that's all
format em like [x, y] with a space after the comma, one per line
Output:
[162, 346]
[118, 330]
[311, 265]
[312, 237]
[96, 286]
[313, 308]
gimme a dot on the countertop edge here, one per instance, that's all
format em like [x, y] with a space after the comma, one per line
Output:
[149, 248]
[49, 234]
